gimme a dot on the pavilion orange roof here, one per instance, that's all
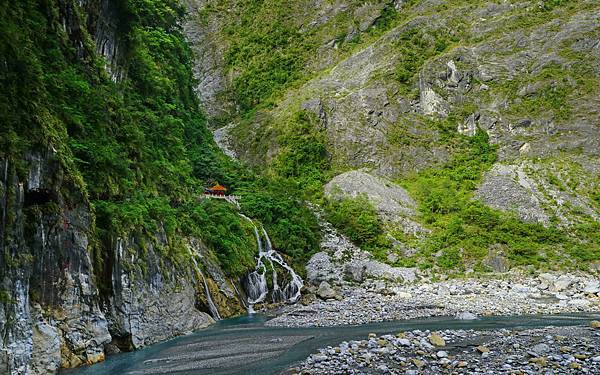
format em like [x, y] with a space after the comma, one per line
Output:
[218, 187]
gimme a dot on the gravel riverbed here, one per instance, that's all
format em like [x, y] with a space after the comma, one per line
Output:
[552, 350]
[466, 299]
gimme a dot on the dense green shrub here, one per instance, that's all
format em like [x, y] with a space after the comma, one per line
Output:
[267, 50]
[463, 229]
[303, 157]
[218, 224]
[415, 46]
[357, 218]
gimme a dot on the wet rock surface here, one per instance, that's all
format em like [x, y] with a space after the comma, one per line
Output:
[549, 350]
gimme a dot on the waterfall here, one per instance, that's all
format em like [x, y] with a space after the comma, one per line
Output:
[256, 281]
[214, 312]
[211, 305]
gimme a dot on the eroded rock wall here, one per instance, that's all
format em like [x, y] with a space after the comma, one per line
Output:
[49, 299]
[66, 297]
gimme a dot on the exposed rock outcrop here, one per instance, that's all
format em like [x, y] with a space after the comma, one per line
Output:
[150, 302]
[391, 201]
[64, 297]
[51, 312]
[538, 192]
[46, 231]
[340, 261]
[530, 91]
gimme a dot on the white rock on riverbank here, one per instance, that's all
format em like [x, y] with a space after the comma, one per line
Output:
[375, 301]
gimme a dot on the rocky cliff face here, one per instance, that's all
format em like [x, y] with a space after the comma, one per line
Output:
[52, 313]
[63, 302]
[50, 301]
[483, 71]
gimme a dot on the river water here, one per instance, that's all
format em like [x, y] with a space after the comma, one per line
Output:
[245, 345]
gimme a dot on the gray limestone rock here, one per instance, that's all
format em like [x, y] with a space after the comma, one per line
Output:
[390, 200]
[469, 127]
[355, 271]
[153, 306]
[326, 292]
[320, 268]
[223, 140]
[592, 287]
[465, 315]
[46, 348]
[505, 188]
[431, 102]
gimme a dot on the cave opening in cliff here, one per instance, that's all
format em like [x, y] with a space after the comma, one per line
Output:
[38, 197]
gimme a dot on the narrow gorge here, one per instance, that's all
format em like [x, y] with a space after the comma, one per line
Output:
[358, 186]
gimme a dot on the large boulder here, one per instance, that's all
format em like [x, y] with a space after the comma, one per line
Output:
[358, 270]
[392, 202]
[354, 271]
[326, 292]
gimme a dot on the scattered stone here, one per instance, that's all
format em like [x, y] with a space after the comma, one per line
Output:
[465, 315]
[592, 287]
[386, 354]
[541, 349]
[404, 295]
[540, 361]
[461, 298]
[563, 282]
[436, 339]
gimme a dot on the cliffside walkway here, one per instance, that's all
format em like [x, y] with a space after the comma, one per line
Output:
[233, 199]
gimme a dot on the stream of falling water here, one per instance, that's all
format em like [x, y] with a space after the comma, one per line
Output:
[214, 312]
[256, 282]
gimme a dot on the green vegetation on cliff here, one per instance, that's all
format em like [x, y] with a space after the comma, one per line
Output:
[358, 220]
[135, 143]
[463, 229]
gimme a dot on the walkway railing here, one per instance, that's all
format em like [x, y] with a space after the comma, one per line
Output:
[233, 199]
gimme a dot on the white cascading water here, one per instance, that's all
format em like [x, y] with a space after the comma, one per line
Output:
[214, 312]
[256, 282]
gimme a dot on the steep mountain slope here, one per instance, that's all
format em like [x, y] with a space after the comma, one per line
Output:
[460, 102]
[106, 243]
[456, 136]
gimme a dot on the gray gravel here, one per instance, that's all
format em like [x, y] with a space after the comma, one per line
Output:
[565, 350]
[467, 299]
